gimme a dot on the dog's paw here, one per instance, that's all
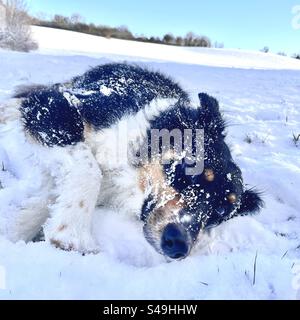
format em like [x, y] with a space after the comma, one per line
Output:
[68, 241]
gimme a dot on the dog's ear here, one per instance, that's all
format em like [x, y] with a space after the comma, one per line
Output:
[208, 103]
[251, 202]
[212, 118]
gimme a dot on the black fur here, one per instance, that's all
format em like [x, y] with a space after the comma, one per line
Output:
[25, 91]
[131, 88]
[251, 202]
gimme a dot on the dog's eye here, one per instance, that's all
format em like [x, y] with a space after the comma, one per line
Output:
[209, 175]
[232, 198]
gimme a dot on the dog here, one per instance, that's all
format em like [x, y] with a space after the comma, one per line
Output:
[98, 134]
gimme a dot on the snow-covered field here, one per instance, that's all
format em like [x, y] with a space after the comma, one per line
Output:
[259, 95]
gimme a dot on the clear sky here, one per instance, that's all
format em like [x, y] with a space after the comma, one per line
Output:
[246, 24]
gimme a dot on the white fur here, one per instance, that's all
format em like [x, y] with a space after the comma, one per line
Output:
[77, 178]
[77, 186]
[113, 149]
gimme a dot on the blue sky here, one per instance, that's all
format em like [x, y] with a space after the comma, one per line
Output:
[247, 24]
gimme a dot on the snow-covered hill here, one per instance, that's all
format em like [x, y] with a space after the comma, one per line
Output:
[259, 95]
[70, 43]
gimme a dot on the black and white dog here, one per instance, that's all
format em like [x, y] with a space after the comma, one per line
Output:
[94, 129]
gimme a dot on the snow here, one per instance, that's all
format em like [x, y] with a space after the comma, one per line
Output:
[259, 95]
[70, 43]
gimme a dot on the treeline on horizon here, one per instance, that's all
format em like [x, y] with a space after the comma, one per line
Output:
[76, 23]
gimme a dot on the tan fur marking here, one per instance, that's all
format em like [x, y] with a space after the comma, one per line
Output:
[88, 130]
[62, 227]
[60, 245]
[177, 202]
[56, 243]
[81, 204]
[153, 175]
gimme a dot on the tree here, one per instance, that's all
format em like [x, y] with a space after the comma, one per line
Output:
[76, 18]
[202, 42]
[296, 56]
[179, 41]
[168, 38]
[107, 32]
[265, 49]
[219, 45]
[281, 53]
[61, 21]
[189, 39]
[123, 32]
[76, 23]
[17, 34]
[192, 40]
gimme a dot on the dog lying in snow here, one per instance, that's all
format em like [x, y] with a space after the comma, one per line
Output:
[105, 123]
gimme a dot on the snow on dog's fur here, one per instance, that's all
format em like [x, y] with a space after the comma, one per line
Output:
[88, 134]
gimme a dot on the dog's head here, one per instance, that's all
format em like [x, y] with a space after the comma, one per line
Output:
[179, 205]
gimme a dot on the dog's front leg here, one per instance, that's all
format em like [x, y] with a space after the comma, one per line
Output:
[77, 188]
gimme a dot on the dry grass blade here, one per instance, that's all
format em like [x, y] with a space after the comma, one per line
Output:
[254, 269]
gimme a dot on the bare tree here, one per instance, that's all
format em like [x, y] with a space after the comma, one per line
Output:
[281, 53]
[189, 39]
[202, 41]
[17, 34]
[76, 23]
[179, 41]
[61, 21]
[76, 18]
[219, 45]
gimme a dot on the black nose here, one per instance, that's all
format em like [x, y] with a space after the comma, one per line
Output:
[174, 242]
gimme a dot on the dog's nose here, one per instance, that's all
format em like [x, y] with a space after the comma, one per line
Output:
[174, 242]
